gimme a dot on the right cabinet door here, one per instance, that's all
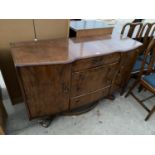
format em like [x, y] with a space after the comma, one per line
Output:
[127, 62]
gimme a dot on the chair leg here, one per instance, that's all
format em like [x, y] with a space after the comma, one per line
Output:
[140, 88]
[150, 113]
[131, 88]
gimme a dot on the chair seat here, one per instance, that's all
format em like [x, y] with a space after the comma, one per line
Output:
[147, 59]
[150, 79]
[137, 66]
[141, 57]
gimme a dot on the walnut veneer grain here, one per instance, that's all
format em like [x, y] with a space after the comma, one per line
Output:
[64, 74]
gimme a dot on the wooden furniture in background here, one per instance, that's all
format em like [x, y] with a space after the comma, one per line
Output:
[89, 28]
[146, 80]
[133, 30]
[16, 30]
[3, 116]
[137, 20]
[145, 36]
[63, 75]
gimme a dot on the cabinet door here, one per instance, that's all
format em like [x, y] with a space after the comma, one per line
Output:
[46, 89]
[127, 62]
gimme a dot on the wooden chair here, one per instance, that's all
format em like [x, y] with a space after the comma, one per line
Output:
[147, 80]
[147, 33]
[145, 36]
[132, 29]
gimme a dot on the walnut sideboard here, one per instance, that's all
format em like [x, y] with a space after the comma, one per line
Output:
[63, 75]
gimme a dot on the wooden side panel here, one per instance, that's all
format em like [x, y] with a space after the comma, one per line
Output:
[46, 89]
[10, 78]
[3, 116]
[92, 79]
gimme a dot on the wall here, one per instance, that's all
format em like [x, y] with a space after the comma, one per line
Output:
[47, 29]
[15, 30]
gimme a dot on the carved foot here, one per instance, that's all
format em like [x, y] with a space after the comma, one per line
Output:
[111, 97]
[46, 122]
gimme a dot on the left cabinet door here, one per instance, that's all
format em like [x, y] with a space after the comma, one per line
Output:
[45, 88]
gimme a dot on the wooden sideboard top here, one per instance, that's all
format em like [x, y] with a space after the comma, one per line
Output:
[67, 50]
[89, 24]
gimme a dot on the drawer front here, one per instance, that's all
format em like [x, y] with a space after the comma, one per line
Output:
[88, 98]
[92, 79]
[95, 61]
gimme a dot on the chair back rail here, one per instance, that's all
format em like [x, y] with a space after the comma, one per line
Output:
[153, 30]
[132, 27]
[147, 33]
